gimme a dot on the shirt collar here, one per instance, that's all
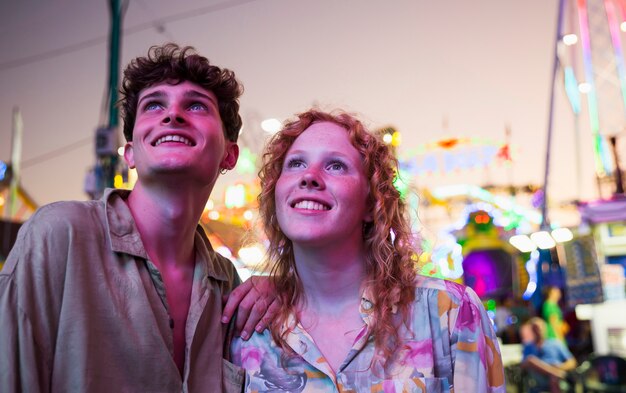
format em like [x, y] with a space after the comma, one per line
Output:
[367, 306]
[125, 237]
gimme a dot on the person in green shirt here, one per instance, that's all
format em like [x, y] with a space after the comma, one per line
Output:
[551, 311]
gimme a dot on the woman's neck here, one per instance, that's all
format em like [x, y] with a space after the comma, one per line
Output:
[331, 277]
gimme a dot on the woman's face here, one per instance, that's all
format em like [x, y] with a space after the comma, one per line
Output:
[322, 192]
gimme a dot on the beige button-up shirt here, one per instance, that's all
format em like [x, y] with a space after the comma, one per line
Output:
[82, 308]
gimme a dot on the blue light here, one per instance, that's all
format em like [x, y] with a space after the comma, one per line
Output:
[531, 268]
[3, 170]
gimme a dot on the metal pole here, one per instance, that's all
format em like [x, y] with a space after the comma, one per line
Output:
[545, 223]
[16, 158]
[107, 157]
[114, 60]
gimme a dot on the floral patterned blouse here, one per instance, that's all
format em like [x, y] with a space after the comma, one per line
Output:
[451, 347]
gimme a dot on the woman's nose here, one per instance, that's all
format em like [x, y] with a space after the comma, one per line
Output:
[310, 179]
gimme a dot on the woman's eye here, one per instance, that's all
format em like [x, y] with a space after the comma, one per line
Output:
[294, 163]
[337, 166]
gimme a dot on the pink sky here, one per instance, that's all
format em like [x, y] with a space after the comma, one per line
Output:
[411, 64]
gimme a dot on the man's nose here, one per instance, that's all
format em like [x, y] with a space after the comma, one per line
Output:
[174, 115]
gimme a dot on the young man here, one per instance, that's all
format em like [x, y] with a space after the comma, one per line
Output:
[125, 294]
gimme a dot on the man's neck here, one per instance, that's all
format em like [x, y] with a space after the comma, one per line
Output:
[166, 219]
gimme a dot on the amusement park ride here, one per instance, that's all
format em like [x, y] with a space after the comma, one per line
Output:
[591, 32]
[500, 249]
[590, 63]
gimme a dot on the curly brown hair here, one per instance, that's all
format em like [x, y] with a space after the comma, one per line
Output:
[174, 64]
[388, 239]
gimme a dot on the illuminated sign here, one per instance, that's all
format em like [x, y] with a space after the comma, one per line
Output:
[452, 155]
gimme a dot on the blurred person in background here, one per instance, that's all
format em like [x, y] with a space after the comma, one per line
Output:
[547, 359]
[553, 315]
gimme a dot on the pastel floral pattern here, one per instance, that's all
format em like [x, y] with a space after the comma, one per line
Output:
[451, 347]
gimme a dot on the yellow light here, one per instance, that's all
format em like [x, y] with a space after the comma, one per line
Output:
[543, 240]
[209, 204]
[396, 139]
[1, 201]
[132, 177]
[387, 138]
[214, 215]
[248, 215]
[562, 235]
[522, 243]
[118, 181]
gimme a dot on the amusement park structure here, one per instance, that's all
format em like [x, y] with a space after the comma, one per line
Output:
[590, 55]
[589, 58]
[505, 240]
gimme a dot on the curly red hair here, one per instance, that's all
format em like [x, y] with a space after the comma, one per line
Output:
[388, 239]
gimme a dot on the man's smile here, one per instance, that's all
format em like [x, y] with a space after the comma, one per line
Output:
[173, 138]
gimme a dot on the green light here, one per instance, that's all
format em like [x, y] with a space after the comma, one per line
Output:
[235, 196]
[401, 184]
[246, 162]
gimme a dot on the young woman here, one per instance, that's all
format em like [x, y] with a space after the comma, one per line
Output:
[356, 317]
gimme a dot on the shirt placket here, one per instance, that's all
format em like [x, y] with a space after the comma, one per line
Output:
[302, 343]
[199, 297]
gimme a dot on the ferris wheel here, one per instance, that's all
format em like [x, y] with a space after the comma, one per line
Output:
[591, 57]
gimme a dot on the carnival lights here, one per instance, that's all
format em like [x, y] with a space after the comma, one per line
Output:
[522, 243]
[271, 126]
[251, 255]
[543, 240]
[570, 39]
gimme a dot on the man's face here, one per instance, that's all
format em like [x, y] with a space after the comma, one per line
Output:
[178, 131]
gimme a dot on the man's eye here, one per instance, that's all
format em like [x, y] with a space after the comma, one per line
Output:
[151, 106]
[197, 107]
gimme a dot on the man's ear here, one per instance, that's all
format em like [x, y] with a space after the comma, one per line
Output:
[128, 155]
[230, 156]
